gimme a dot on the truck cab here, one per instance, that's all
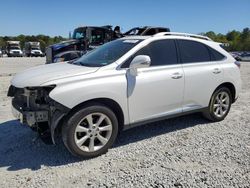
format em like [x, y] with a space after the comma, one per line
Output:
[13, 49]
[146, 31]
[32, 49]
[83, 39]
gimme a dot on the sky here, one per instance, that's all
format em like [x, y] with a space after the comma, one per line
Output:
[59, 17]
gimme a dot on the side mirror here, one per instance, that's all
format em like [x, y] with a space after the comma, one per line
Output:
[140, 61]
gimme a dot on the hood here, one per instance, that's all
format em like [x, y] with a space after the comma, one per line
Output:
[39, 75]
[15, 50]
[36, 51]
[64, 43]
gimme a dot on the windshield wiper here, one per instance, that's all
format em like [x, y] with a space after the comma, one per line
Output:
[87, 64]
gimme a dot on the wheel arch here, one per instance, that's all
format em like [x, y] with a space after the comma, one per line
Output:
[110, 103]
[231, 87]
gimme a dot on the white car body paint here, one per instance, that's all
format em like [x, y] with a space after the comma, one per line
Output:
[153, 93]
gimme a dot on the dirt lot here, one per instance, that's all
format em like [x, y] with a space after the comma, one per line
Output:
[182, 152]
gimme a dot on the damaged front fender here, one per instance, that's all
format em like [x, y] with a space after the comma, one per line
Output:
[34, 107]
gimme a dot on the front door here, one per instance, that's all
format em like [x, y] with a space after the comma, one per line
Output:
[157, 90]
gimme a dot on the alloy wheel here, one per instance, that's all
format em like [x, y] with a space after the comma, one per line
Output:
[221, 104]
[93, 132]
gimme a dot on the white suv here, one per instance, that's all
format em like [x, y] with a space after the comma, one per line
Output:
[126, 82]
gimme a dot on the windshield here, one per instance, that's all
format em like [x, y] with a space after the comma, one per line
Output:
[79, 33]
[15, 47]
[107, 53]
[35, 48]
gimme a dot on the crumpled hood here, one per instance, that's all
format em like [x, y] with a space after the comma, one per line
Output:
[38, 75]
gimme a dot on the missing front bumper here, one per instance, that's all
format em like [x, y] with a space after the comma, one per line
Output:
[30, 117]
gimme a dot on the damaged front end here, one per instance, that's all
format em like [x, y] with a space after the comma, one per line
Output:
[33, 107]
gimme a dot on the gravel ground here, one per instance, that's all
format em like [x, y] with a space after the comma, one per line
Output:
[182, 152]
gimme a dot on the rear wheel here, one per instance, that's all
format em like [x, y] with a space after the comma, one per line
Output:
[91, 131]
[220, 104]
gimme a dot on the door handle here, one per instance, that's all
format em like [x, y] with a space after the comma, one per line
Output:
[216, 71]
[176, 75]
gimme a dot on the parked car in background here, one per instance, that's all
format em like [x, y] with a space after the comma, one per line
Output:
[235, 55]
[124, 83]
[244, 56]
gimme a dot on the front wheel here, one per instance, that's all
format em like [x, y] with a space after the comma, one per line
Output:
[220, 104]
[90, 131]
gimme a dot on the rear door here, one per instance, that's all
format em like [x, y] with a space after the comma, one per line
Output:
[157, 90]
[202, 71]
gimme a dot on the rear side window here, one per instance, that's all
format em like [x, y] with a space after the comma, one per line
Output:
[162, 52]
[215, 56]
[192, 51]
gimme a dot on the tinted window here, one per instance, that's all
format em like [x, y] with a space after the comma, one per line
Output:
[215, 56]
[162, 30]
[150, 32]
[162, 52]
[66, 57]
[107, 53]
[96, 36]
[192, 51]
[74, 55]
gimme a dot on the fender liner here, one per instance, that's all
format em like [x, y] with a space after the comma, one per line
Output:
[58, 111]
[57, 116]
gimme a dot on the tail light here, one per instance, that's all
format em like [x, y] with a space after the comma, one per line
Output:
[237, 63]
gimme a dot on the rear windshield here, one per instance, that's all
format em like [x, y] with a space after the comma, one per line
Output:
[107, 53]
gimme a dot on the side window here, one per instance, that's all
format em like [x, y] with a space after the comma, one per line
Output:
[215, 56]
[150, 32]
[192, 51]
[74, 55]
[162, 52]
[66, 57]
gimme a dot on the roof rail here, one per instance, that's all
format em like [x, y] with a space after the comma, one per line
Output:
[183, 34]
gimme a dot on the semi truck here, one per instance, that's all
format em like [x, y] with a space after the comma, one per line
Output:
[87, 38]
[32, 49]
[13, 49]
[84, 39]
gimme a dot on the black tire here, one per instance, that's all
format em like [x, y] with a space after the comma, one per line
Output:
[209, 112]
[69, 127]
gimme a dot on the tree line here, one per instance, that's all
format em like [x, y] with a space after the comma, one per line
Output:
[43, 39]
[237, 40]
